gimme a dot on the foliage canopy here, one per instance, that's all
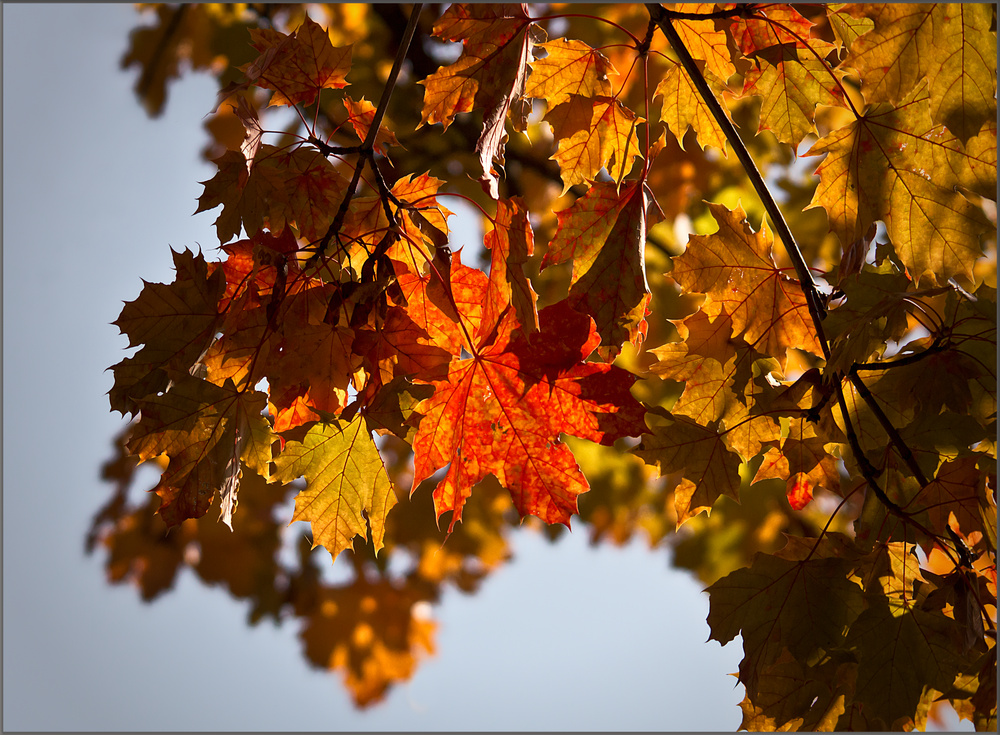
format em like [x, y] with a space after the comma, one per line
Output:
[810, 402]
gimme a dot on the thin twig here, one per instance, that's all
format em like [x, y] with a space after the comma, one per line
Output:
[390, 83]
[894, 437]
[933, 349]
[367, 148]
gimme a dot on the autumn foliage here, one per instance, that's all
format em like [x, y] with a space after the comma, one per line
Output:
[653, 335]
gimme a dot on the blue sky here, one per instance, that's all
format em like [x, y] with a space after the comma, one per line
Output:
[95, 194]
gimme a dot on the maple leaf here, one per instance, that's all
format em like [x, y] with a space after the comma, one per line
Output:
[604, 234]
[345, 478]
[254, 131]
[880, 167]
[361, 115]
[902, 650]
[719, 372]
[774, 25]
[446, 305]
[297, 186]
[706, 43]
[683, 107]
[296, 66]
[791, 90]
[950, 44]
[502, 411]
[605, 137]
[846, 27]
[682, 445]
[490, 75]
[570, 69]
[766, 602]
[174, 323]
[793, 697]
[206, 430]
[734, 268]
[318, 357]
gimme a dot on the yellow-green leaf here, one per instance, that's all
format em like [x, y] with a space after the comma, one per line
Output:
[346, 483]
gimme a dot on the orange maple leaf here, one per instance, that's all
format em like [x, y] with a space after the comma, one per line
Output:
[361, 115]
[705, 42]
[606, 136]
[510, 241]
[570, 69]
[734, 268]
[683, 107]
[502, 411]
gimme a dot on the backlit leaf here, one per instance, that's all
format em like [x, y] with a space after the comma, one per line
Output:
[882, 167]
[347, 493]
[608, 138]
[683, 107]
[490, 75]
[948, 43]
[361, 115]
[299, 65]
[734, 268]
[570, 68]
[502, 411]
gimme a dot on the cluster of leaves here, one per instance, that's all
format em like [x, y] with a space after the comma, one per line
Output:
[837, 384]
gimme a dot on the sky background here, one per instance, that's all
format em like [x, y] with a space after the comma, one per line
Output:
[564, 637]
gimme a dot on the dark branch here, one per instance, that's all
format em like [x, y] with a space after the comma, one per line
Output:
[936, 346]
[894, 437]
[368, 146]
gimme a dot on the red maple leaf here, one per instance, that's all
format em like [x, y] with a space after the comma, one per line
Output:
[502, 410]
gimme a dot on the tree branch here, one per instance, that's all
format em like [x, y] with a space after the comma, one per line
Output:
[894, 437]
[817, 311]
[368, 146]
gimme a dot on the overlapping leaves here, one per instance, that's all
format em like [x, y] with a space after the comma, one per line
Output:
[876, 386]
